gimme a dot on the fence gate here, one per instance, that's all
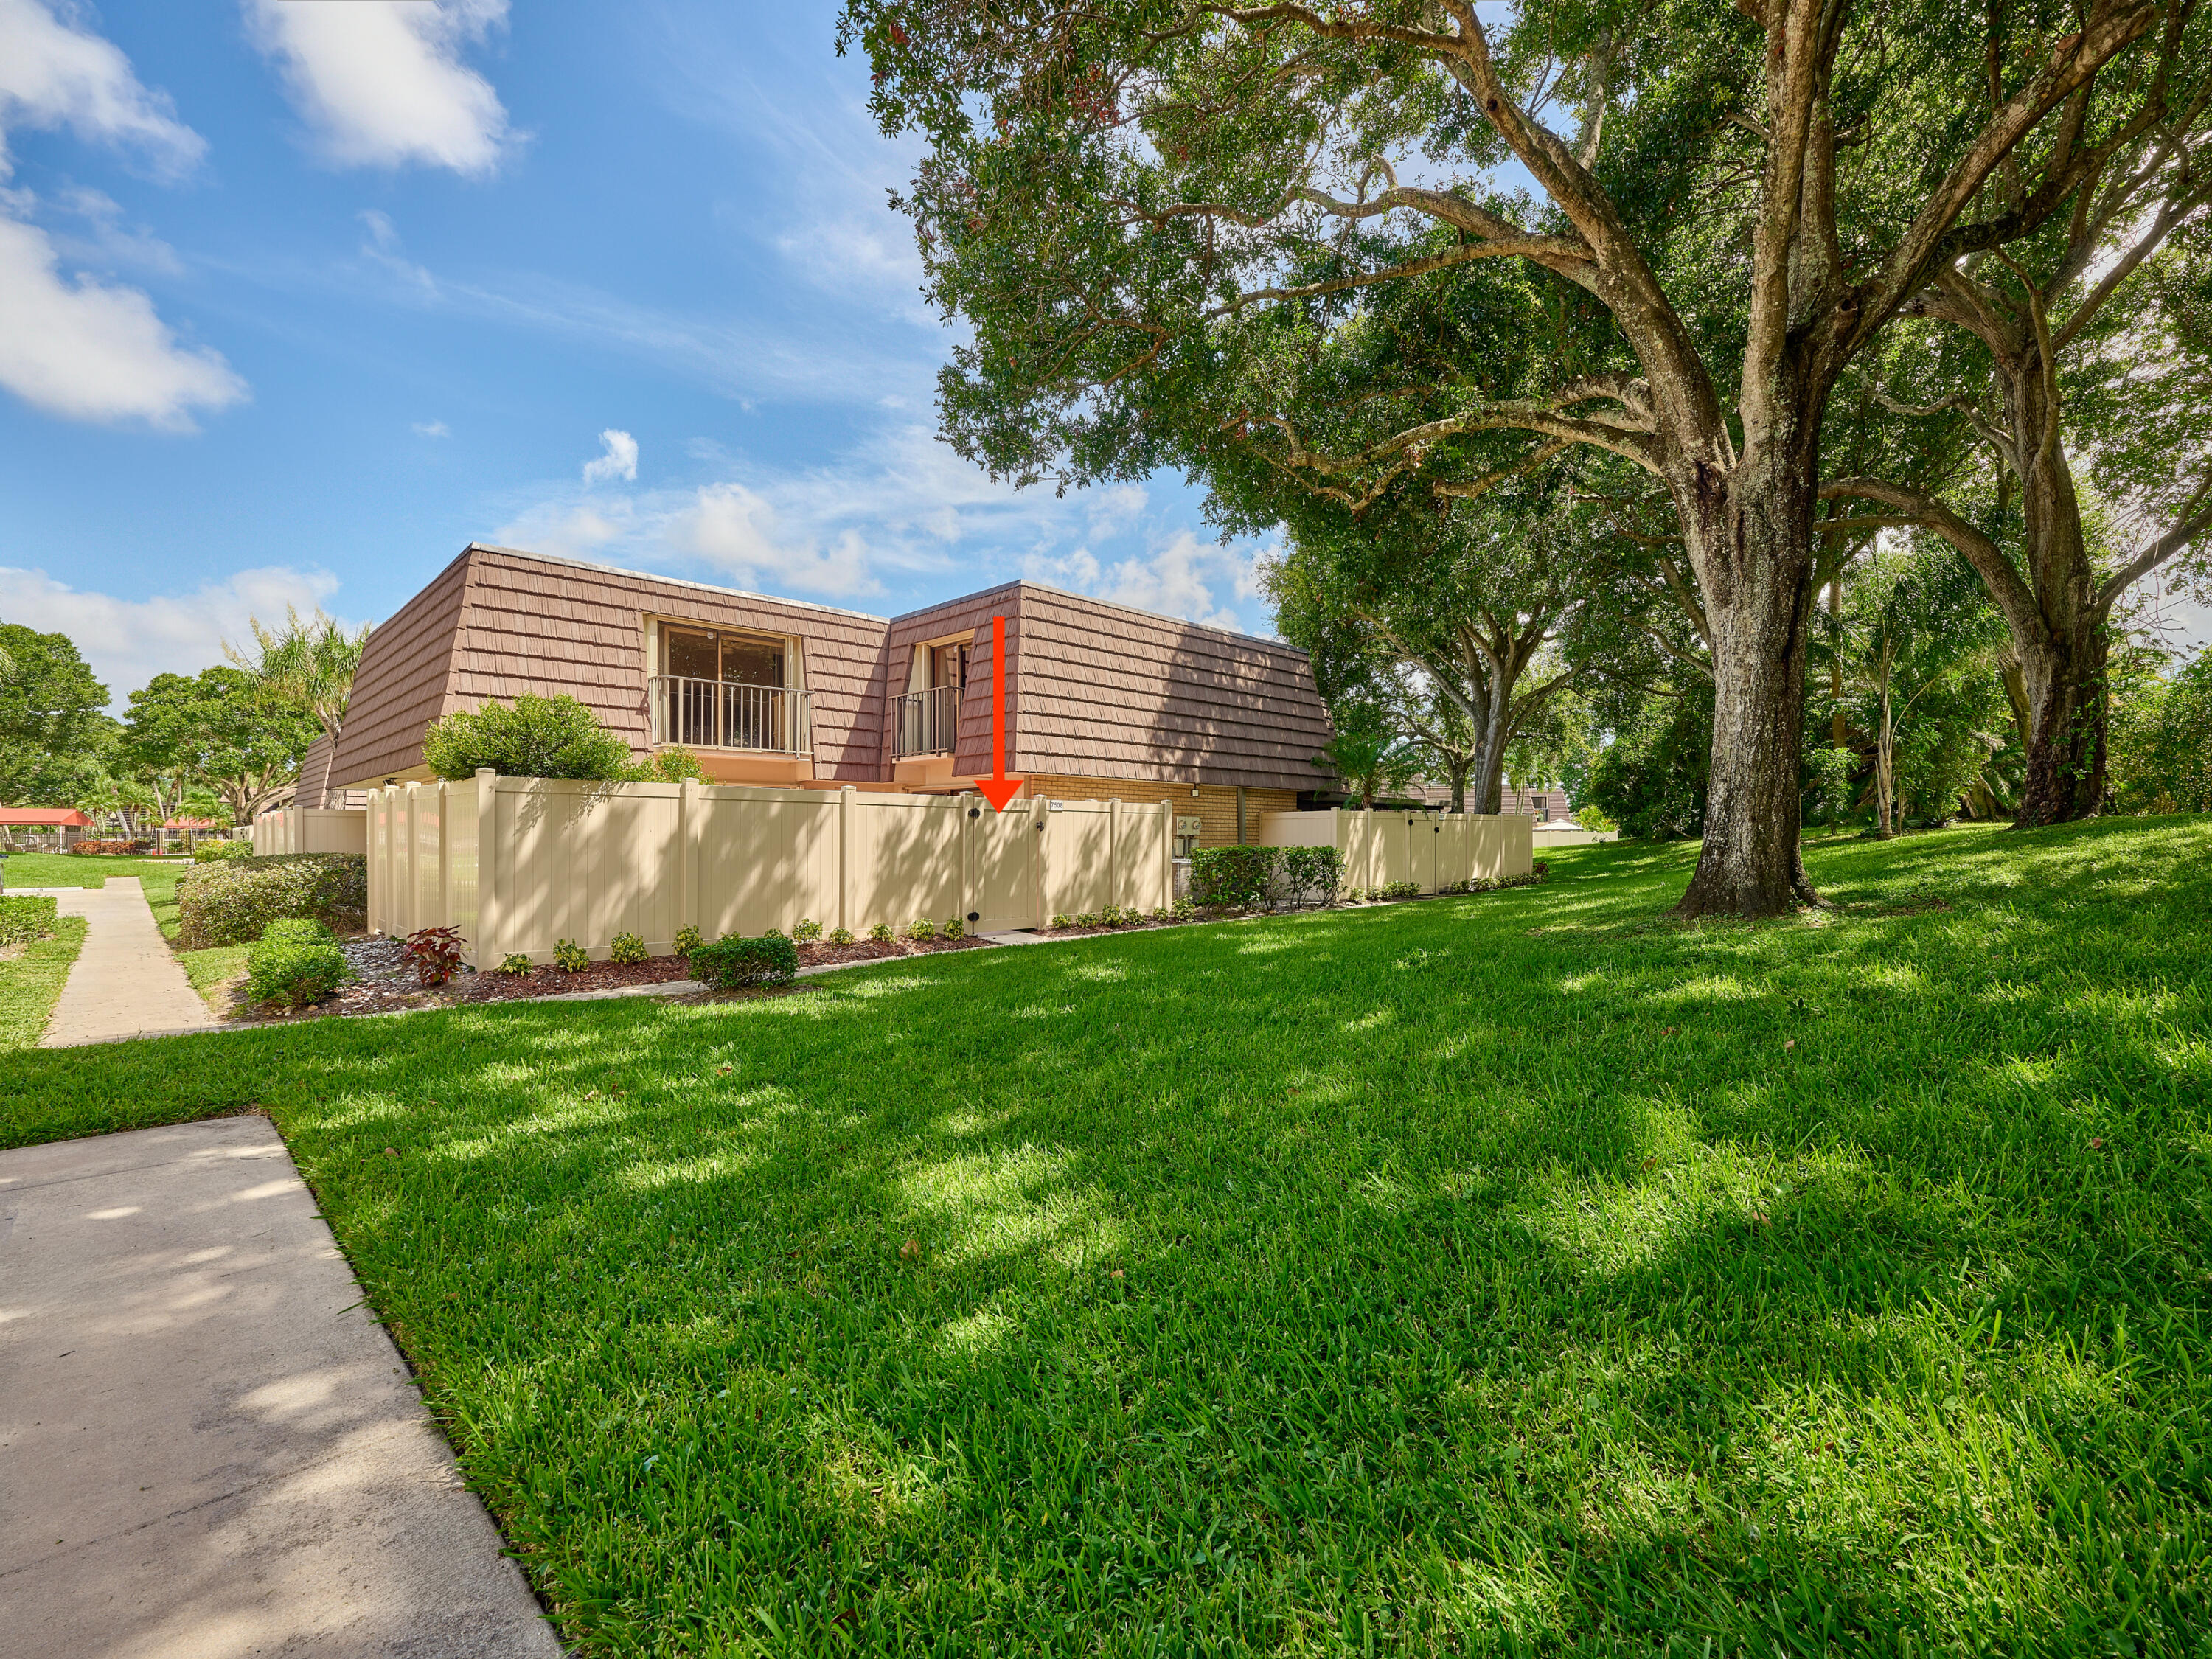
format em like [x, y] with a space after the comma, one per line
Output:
[1425, 833]
[1002, 859]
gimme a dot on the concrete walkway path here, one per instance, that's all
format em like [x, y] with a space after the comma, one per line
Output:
[125, 979]
[207, 1447]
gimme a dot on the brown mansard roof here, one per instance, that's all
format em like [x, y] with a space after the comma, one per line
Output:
[1095, 690]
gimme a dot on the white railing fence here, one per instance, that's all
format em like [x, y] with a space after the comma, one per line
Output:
[723, 714]
[929, 721]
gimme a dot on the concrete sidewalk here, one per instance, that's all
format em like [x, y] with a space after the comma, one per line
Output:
[125, 979]
[207, 1447]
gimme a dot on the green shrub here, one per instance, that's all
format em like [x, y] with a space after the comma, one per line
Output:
[25, 918]
[514, 962]
[1183, 910]
[569, 957]
[805, 932]
[1594, 817]
[1399, 890]
[841, 935]
[1060, 919]
[666, 766]
[687, 939]
[627, 947]
[920, 929]
[1238, 877]
[2162, 745]
[231, 902]
[733, 961]
[220, 852]
[537, 738]
[297, 930]
[1309, 875]
[1160, 913]
[1086, 919]
[290, 970]
[881, 933]
[954, 928]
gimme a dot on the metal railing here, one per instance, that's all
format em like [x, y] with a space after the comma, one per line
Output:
[929, 721]
[722, 715]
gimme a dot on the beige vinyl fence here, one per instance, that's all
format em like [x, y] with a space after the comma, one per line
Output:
[516, 865]
[1433, 848]
[311, 830]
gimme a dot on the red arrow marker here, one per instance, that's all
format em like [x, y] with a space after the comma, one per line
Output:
[998, 788]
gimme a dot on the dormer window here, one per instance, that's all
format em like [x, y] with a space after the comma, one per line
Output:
[698, 653]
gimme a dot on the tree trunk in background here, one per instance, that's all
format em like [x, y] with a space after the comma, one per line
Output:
[1751, 536]
[1486, 778]
[2062, 661]
[1839, 731]
[2064, 679]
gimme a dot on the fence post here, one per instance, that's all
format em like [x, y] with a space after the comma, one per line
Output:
[694, 838]
[1113, 849]
[1167, 853]
[687, 873]
[445, 916]
[845, 803]
[489, 920]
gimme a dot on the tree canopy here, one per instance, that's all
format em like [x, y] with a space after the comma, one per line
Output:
[1132, 209]
[53, 724]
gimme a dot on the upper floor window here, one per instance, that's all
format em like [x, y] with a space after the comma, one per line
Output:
[698, 653]
[948, 665]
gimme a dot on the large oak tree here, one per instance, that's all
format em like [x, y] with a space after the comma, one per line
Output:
[1749, 193]
[2089, 344]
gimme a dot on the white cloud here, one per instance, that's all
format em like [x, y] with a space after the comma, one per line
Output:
[433, 430]
[734, 530]
[575, 531]
[103, 239]
[53, 74]
[382, 82]
[128, 642]
[91, 351]
[620, 460]
[70, 345]
[900, 516]
[1185, 577]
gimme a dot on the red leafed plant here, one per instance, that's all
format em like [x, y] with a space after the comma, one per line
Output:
[435, 952]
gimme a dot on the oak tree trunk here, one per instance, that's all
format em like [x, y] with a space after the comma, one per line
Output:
[2064, 676]
[1486, 780]
[2061, 644]
[1751, 535]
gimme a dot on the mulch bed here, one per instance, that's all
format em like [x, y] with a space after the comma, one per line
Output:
[386, 982]
[549, 981]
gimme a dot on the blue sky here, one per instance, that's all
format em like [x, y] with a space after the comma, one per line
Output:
[297, 297]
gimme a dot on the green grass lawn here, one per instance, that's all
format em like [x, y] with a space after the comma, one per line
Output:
[1519, 1273]
[214, 971]
[158, 876]
[32, 979]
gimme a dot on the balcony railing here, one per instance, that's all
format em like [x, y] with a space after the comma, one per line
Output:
[722, 715]
[928, 721]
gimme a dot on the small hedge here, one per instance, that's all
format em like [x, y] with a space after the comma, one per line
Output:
[24, 919]
[221, 852]
[1252, 877]
[294, 963]
[732, 961]
[233, 902]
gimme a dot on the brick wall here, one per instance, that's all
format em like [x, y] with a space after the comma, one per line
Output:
[1214, 806]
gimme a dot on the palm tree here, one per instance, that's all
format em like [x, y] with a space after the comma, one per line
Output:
[1368, 753]
[308, 663]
